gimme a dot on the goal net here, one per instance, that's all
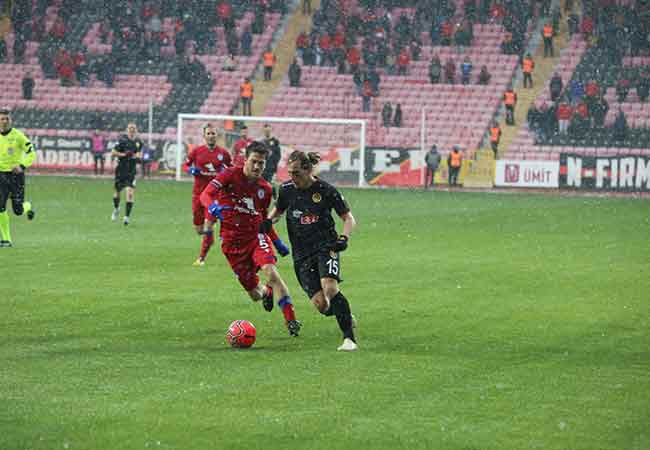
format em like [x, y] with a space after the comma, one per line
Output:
[340, 142]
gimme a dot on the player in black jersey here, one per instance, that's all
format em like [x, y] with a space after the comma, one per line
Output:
[128, 150]
[308, 202]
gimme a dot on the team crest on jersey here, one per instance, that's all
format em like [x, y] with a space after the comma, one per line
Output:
[316, 198]
[220, 157]
[10, 151]
[261, 193]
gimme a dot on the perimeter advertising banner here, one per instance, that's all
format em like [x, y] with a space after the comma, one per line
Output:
[607, 173]
[530, 174]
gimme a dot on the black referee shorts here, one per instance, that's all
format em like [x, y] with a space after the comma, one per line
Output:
[310, 270]
[12, 185]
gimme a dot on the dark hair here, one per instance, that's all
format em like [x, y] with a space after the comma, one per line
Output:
[206, 126]
[5, 111]
[307, 160]
[257, 147]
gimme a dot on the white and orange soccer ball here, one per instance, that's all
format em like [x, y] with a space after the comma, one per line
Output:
[241, 334]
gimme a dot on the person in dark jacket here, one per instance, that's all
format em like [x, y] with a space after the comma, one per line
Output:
[28, 86]
[386, 114]
[294, 74]
[397, 119]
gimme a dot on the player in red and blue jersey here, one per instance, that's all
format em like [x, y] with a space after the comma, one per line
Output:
[204, 163]
[240, 198]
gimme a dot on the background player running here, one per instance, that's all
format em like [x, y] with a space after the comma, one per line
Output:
[127, 151]
[308, 202]
[240, 198]
[204, 163]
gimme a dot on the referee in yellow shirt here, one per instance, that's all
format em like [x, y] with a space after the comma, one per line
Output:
[16, 154]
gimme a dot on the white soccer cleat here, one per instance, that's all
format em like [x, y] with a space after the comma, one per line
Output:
[115, 215]
[199, 263]
[126, 220]
[348, 346]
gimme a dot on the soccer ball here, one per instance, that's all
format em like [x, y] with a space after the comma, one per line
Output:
[241, 334]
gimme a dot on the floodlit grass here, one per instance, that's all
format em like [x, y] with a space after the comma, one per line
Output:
[486, 322]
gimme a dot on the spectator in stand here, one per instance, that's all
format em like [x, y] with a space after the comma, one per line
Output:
[373, 77]
[599, 111]
[3, 50]
[527, 67]
[28, 85]
[325, 45]
[547, 35]
[484, 76]
[20, 45]
[269, 61]
[555, 86]
[358, 78]
[466, 70]
[435, 69]
[620, 126]
[564, 114]
[587, 28]
[65, 67]
[246, 96]
[643, 86]
[573, 22]
[391, 62]
[306, 7]
[99, 148]
[415, 49]
[386, 114]
[577, 90]
[246, 42]
[294, 73]
[622, 89]
[224, 13]
[592, 92]
[58, 30]
[229, 63]
[450, 71]
[397, 119]
[403, 61]
[366, 95]
[533, 119]
[354, 58]
[446, 32]
[507, 46]
[82, 71]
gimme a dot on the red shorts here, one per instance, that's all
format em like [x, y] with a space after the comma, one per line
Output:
[199, 213]
[246, 258]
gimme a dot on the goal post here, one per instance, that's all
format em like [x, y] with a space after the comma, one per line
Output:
[335, 139]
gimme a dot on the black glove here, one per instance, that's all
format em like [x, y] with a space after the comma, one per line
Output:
[340, 244]
[265, 226]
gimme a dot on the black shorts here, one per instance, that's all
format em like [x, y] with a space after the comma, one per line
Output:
[310, 270]
[12, 185]
[99, 156]
[124, 180]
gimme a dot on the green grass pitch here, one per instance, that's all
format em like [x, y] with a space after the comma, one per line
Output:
[486, 322]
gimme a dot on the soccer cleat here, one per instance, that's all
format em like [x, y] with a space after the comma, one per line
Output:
[5, 244]
[31, 214]
[199, 263]
[348, 346]
[294, 327]
[115, 215]
[267, 300]
[126, 220]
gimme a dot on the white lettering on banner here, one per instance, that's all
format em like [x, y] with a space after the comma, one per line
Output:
[51, 158]
[527, 173]
[601, 166]
[627, 172]
[642, 173]
[384, 161]
[346, 163]
[614, 175]
[416, 158]
[574, 171]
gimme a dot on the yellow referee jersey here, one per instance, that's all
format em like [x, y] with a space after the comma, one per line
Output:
[15, 149]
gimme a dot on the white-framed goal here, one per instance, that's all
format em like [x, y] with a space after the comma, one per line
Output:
[341, 142]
